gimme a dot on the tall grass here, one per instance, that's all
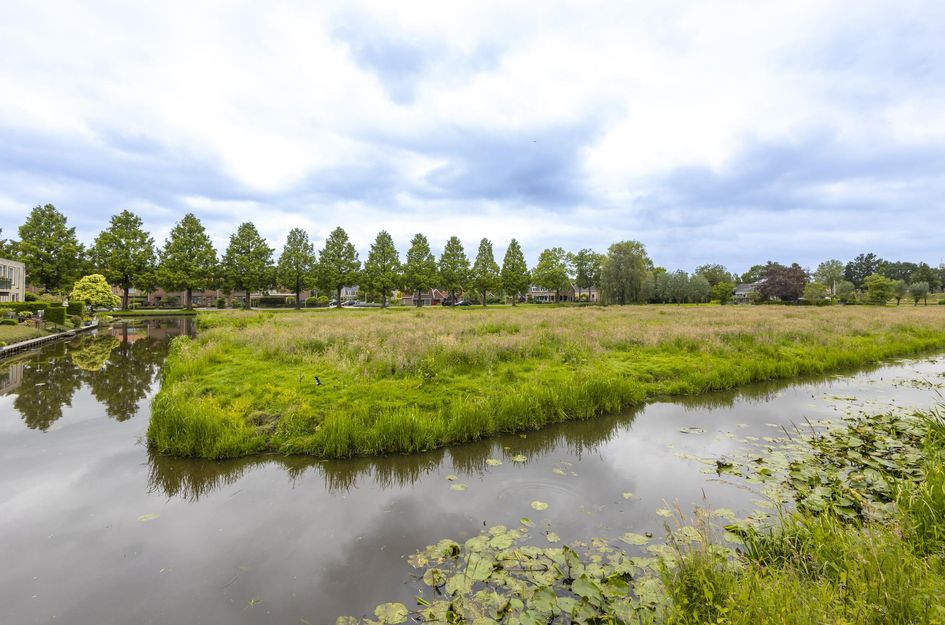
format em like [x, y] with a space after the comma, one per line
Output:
[401, 382]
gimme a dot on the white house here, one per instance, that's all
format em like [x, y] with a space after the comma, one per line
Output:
[12, 280]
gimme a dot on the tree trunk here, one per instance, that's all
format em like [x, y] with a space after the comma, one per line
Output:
[298, 295]
[419, 302]
[339, 298]
[190, 298]
[557, 296]
[514, 299]
[483, 298]
[124, 298]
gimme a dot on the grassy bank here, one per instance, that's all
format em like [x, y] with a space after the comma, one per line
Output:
[884, 564]
[396, 382]
[14, 334]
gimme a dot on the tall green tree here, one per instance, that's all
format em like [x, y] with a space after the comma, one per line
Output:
[860, 267]
[553, 272]
[900, 290]
[485, 271]
[454, 267]
[623, 272]
[338, 264]
[723, 292]
[49, 248]
[879, 289]
[420, 270]
[188, 260]
[124, 253]
[247, 263]
[830, 272]
[919, 290]
[784, 283]
[924, 273]
[382, 269]
[587, 266]
[7, 247]
[714, 273]
[296, 268]
[514, 275]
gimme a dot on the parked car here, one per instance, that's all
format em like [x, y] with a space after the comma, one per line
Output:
[463, 302]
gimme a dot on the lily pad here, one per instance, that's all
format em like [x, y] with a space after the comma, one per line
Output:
[147, 517]
[539, 505]
[628, 495]
[519, 458]
[391, 613]
[493, 462]
[458, 486]
[552, 537]
[632, 538]
[664, 512]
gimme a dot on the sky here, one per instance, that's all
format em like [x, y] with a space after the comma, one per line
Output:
[724, 132]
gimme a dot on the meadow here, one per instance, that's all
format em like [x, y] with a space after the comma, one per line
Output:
[409, 380]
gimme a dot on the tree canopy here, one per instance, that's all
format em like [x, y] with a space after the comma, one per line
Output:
[338, 264]
[485, 275]
[296, 267]
[382, 269]
[188, 260]
[623, 272]
[454, 267]
[124, 253]
[514, 274]
[420, 270]
[94, 291]
[587, 267]
[247, 263]
[784, 283]
[714, 273]
[830, 273]
[49, 249]
[857, 270]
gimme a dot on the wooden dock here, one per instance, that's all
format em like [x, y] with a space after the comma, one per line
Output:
[25, 346]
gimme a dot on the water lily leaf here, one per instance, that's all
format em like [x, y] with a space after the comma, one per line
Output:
[539, 505]
[526, 522]
[346, 620]
[452, 478]
[458, 486]
[664, 512]
[558, 471]
[632, 538]
[502, 541]
[147, 517]
[391, 613]
[628, 495]
[519, 458]
[552, 537]
[493, 462]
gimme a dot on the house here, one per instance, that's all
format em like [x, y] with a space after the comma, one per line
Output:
[430, 297]
[12, 280]
[160, 297]
[571, 294]
[742, 292]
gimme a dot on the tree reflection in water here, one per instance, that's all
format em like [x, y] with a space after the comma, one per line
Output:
[119, 366]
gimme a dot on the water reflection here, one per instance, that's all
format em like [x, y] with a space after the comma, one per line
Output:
[119, 366]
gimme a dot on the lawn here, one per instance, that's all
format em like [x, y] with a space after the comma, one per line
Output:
[401, 381]
[17, 333]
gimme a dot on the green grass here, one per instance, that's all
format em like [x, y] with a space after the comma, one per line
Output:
[409, 381]
[17, 333]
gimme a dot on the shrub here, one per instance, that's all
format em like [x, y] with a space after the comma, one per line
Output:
[312, 302]
[24, 315]
[55, 314]
[272, 301]
[76, 320]
[7, 322]
[221, 302]
[30, 297]
[75, 309]
[290, 301]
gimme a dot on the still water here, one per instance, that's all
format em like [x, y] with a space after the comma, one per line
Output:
[95, 530]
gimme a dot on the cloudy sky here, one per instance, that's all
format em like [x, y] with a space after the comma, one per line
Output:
[731, 132]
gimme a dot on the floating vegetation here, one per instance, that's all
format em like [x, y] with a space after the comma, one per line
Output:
[865, 543]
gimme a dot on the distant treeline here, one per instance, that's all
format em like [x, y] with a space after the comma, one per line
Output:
[129, 258]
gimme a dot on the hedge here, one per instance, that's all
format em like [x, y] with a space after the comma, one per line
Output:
[55, 314]
[21, 306]
[75, 308]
